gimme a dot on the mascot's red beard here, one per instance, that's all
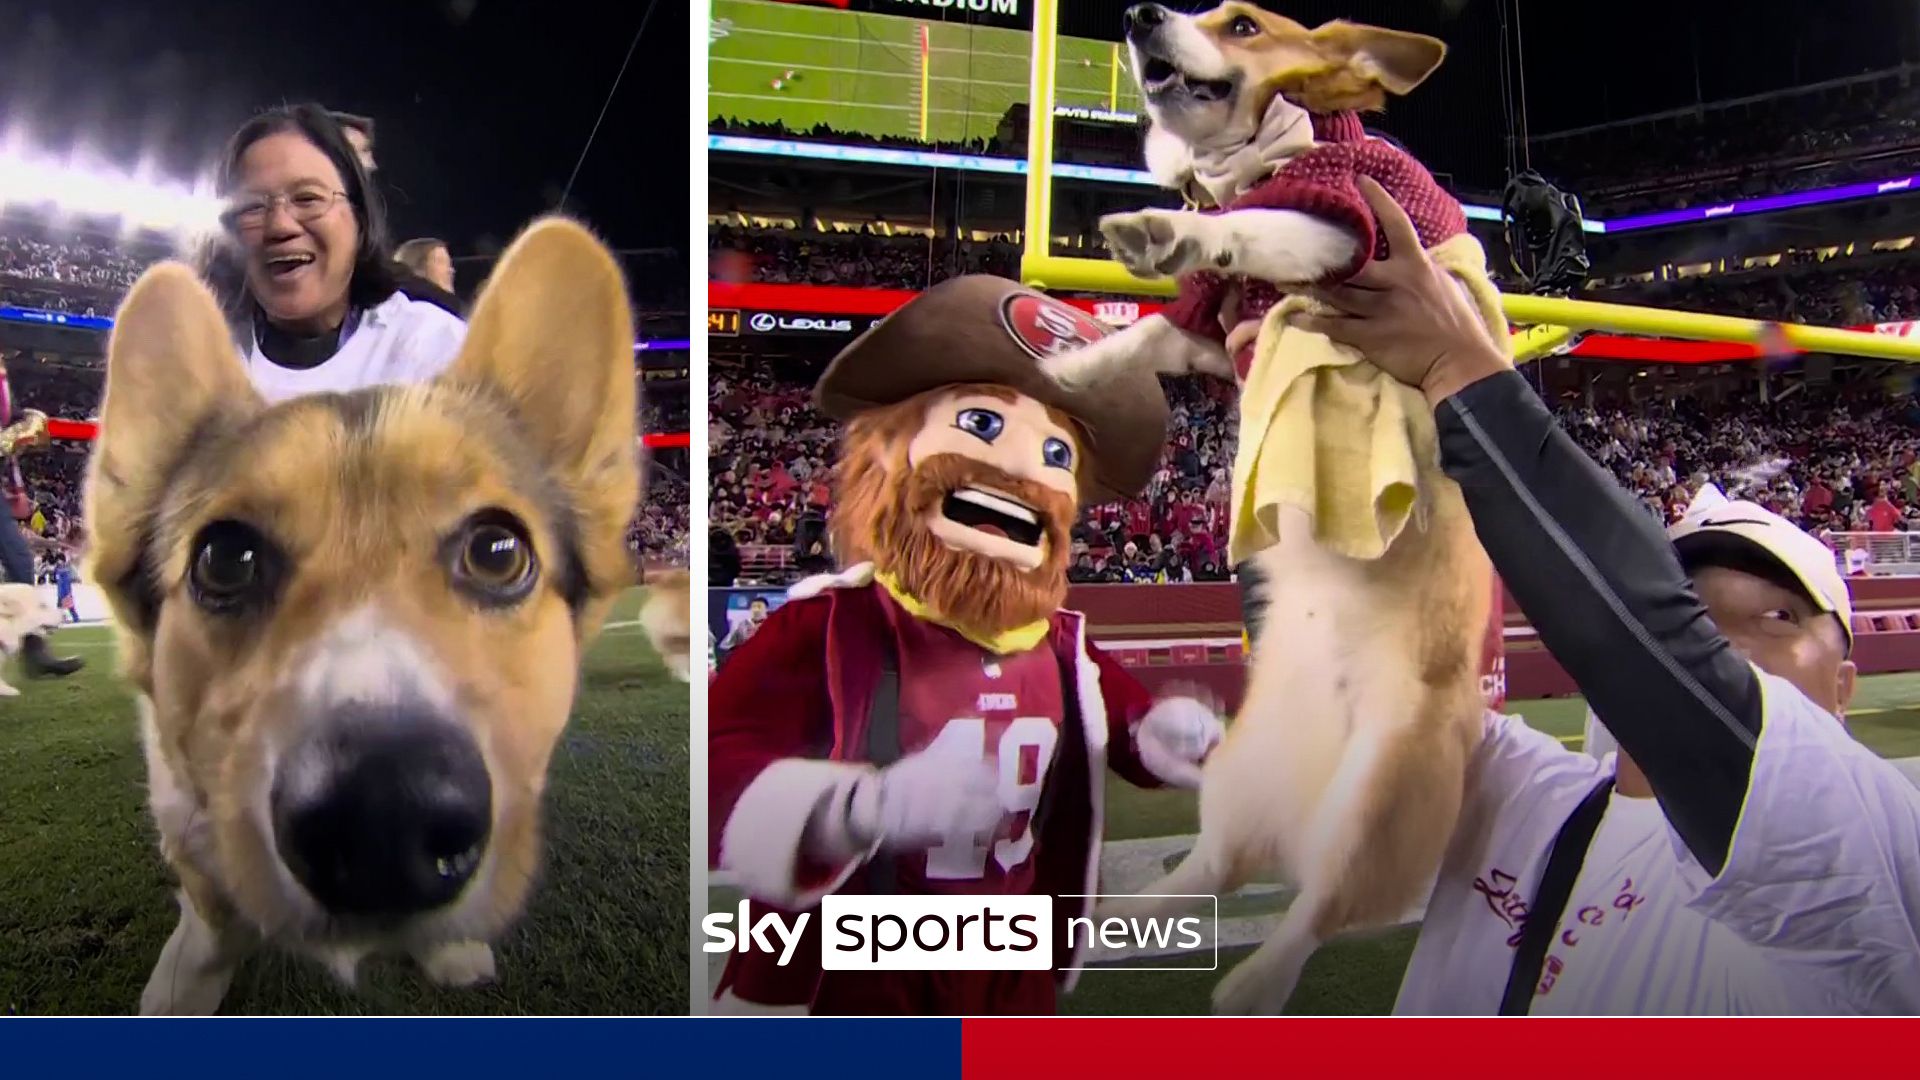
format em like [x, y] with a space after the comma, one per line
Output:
[983, 594]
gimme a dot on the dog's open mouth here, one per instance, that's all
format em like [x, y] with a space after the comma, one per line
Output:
[1159, 76]
[995, 514]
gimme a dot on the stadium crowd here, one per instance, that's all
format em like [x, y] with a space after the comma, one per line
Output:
[1837, 461]
[1836, 292]
[1841, 462]
[1791, 143]
[866, 258]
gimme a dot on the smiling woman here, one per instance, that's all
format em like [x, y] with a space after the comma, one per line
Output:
[305, 270]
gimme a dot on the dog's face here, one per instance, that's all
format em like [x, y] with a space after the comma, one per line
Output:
[356, 619]
[1209, 79]
[24, 611]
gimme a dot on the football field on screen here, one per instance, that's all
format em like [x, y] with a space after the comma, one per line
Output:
[805, 66]
[86, 902]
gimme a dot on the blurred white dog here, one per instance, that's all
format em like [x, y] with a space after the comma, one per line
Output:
[23, 611]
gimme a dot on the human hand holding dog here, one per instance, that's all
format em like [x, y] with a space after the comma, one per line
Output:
[1176, 736]
[1406, 315]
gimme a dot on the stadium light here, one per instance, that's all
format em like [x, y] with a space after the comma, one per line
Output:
[103, 193]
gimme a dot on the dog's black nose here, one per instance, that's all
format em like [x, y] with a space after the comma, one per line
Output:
[382, 813]
[1143, 18]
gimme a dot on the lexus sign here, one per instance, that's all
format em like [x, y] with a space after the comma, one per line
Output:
[780, 322]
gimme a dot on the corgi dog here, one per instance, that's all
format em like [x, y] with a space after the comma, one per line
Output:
[1344, 771]
[1232, 95]
[354, 621]
[667, 618]
[23, 613]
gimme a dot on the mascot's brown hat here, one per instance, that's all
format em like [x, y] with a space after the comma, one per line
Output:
[985, 329]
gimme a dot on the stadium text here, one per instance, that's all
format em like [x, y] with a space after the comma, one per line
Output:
[1103, 116]
[994, 7]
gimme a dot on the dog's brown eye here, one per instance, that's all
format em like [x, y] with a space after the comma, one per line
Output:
[493, 559]
[233, 567]
[1243, 26]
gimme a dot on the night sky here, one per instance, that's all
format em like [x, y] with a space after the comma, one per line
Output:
[481, 106]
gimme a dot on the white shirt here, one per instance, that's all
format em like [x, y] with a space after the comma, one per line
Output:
[1816, 911]
[399, 340]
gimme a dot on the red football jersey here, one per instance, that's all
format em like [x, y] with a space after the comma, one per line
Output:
[961, 700]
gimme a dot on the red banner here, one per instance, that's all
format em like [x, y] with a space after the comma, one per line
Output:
[1433, 1049]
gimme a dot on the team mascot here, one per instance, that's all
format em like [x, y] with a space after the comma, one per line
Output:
[929, 721]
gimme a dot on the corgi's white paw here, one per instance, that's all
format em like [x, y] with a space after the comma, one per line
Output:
[344, 964]
[9, 691]
[1253, 989]
[1159, 243]
[191, 994]
[460, 964]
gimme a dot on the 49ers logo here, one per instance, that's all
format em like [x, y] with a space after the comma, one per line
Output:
[1047, 328]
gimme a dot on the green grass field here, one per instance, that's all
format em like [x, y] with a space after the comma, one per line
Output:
[860, 72]
[1361, 975]
[86, 903]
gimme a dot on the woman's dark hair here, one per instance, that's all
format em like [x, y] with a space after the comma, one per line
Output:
[375, 275]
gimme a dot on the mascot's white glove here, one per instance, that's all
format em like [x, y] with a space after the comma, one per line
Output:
[921, 801]
[1175, 736]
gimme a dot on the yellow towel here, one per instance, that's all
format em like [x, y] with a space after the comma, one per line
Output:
[1324, 431]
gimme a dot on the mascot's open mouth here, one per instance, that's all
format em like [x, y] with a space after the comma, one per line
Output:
[1159, 76]
[994, 513]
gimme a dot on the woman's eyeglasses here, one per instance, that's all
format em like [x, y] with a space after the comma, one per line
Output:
[250, 212]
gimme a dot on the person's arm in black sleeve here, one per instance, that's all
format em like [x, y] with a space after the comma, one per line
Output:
[1591, 569]
[1596, 576]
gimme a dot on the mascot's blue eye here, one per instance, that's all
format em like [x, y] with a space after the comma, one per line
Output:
[1057, 453]
[983, 424]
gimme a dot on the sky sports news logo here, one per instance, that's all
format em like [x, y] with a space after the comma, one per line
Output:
[969, 933]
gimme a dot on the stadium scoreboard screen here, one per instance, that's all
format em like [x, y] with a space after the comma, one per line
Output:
[723, 323]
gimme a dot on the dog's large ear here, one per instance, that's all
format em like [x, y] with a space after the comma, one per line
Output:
[552, 338]
[1394, 60]
[173, 375]
[1360, 65]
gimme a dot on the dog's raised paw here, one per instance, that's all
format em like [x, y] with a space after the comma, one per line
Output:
[458, 964]
[1154, 243]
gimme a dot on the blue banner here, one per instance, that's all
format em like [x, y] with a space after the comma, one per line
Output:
[331, 1048]
[55, 318]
